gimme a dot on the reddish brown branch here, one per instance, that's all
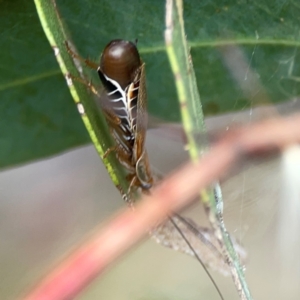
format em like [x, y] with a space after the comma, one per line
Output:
[82, 266]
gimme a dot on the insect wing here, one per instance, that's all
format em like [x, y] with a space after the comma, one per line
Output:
[140, 156]
[141, 111]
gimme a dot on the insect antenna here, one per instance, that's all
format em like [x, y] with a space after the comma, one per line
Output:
[194, 252]
[192, 228]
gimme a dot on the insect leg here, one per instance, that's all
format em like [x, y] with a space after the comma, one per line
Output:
[109, 150]
[133, 182]
[123, 156]
[87, 62]
[88, 84]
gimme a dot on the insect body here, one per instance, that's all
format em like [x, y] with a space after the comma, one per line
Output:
[124, 102]
[124, 105]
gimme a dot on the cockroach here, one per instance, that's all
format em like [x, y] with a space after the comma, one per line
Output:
[124, 104]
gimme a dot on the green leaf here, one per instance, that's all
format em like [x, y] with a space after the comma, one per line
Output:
[38, 116]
